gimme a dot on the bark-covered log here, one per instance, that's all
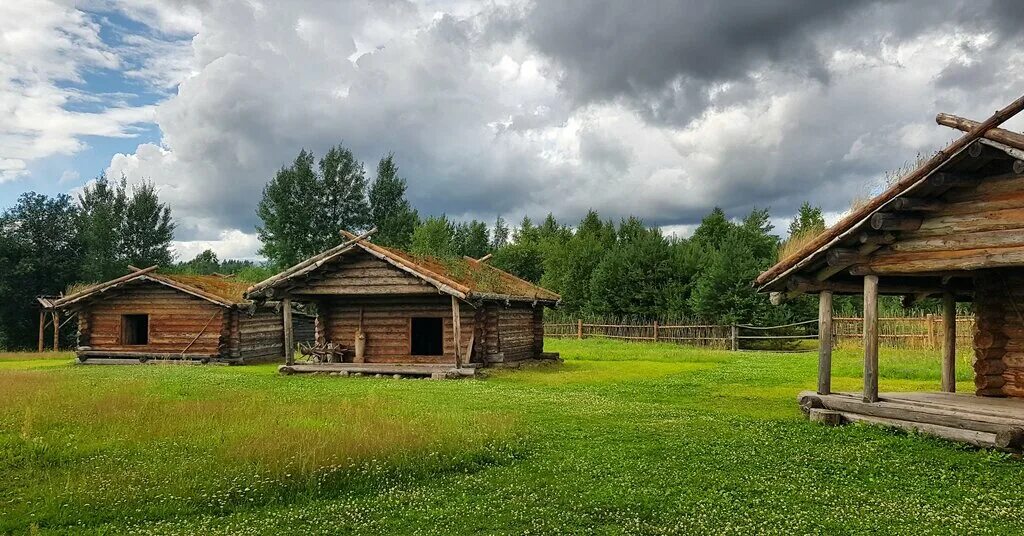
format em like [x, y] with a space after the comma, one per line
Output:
[886, 221]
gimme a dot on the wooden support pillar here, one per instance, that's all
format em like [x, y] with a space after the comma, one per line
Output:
[42, 328]
[655, 331]
[579, 329]
[871, 338]
[56, 330]
[949, 342]
[289, 335]
[457, 331]
[734, 338]
[825, 342]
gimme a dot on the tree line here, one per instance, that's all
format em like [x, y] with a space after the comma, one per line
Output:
[599, 266]
[49, 243]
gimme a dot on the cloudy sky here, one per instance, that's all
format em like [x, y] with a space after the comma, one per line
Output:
[660, 109]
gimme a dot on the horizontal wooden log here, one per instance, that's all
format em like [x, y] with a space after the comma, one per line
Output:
[972, 437]
[880, 239]
[992, 220]
[989, 381]
[962, 241]
[961, 418]
[843, 257]
[886, 221]
[989, 367]
[825, 416]
[901, 262]
[1010, 438]
[946, 180]
[988, 339]
[1013, 139]
[915, 204]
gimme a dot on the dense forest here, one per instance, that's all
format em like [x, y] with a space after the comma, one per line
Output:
[599, 266]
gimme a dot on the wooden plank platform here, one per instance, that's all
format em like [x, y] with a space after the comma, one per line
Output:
[980, 421]
[446, 370]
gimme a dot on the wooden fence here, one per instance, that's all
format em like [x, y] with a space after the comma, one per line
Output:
[923, 332]
[911, 332]
[712, 336]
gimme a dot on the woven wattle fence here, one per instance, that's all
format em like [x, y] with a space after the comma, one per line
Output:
[918, 332]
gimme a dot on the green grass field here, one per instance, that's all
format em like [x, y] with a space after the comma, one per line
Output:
[621, 439]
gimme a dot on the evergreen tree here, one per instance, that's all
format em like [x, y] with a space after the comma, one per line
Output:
[390, 212]
[100, 221]
[522, 257]
[472, 239]
[568, 269]
[119, 226]
[500, 235]
[434, 237]
[712, 230]
[632, 278]
[203, 263]
[342, 203]
[147, 230]
[723, 293]
[808, 221]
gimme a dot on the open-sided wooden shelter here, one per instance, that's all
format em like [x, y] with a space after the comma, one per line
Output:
[384, 311]
[952, 228]
[148, 316]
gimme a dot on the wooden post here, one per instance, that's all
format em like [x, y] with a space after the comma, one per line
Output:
[871, 338]
[825, 342]
[457, 331]
[930, 319]
[42, 328]
[579, 329]
[655, 331]
[949, 342]
[56, 330]
[735, 338]
[289, 336]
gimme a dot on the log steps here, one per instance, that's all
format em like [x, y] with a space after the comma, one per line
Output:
[986, 423]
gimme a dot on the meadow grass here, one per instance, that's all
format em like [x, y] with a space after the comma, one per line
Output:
[622, 439]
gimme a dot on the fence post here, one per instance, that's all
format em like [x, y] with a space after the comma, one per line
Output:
[735, 338]
[655, 331]
[579, 329]
[930, 319]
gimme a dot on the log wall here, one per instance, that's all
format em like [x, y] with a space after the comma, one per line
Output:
[999, 335]
[260, 336]
[386, 324]
[362, 274]
[517, 333]
[175, 318]
[969, 228]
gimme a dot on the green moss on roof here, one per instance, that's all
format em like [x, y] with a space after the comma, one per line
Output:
[478, 277]
[227, 288]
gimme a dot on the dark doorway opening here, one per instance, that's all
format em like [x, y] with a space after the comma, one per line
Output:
[135, 329]
[427, 336]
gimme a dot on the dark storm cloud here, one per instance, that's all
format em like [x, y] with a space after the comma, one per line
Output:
[672, 59]
[668, 53]
[657, 109]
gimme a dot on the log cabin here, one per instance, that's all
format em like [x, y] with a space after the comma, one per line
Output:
[953, 228]
[384, 311]
[147, 316]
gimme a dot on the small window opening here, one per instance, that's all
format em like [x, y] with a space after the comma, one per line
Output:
[427, 336]
[135, 329]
